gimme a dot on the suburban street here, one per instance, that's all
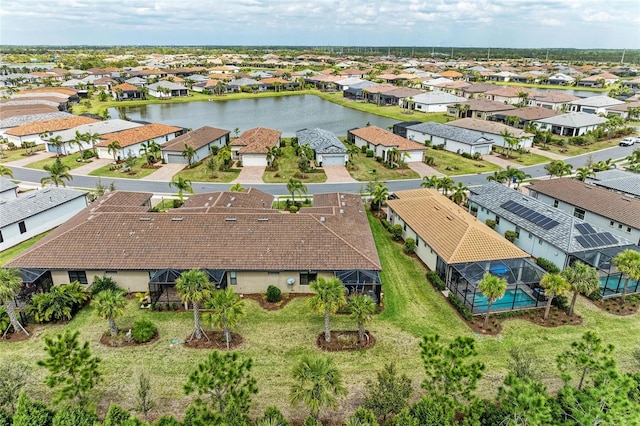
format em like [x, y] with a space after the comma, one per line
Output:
[26, 175]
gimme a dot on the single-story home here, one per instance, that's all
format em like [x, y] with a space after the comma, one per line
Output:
[510, 95]
[35, 212]
[131, 140]
[461, 249]
[594, 104]
[571, 123]
[598, 80]
[201, 140]
[432, 101]
[382, 142]
[330, 239]
[495, 131]
[40, 131]
[478, 108]
[95, 129]
[560, 79]
[557, 101]
[327, 148]
[248, 83]
[167, 89]
[455, 139]
[252, 145]
[126, 91]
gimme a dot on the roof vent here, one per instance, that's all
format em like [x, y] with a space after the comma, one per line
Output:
[233, 198]
[32, 195]
[46, 190]
[176, 219]
[322, 219]
[341, 211]
[230, 219]
[228, 204]
[145, 219]
[344, 204]
[263, 219]
[206, 204]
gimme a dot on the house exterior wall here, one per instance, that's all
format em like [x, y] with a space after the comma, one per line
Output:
[253, 159]
[499, 140]
[414, 156]
[131, 281]
[41, 222]
[431, 107]
[423, 250]
[594, 219]
[333, 159]
[258, 281]
[449, 145]
[530, 243]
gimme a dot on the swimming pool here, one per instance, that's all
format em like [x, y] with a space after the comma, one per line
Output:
[512, 299]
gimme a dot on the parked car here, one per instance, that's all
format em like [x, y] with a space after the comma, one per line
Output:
[627, 141]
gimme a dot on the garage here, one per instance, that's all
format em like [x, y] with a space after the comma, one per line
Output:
[332, 159]
[253, 160]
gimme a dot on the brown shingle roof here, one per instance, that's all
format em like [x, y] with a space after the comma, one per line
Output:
[533, 113]
[257, 140]
[454, 234]
[138, 134]
[8, 111]
[486, 105]
[610, 204]
[377, 136]
[67, 91]
[511, 91]
[196, 139]
[125, 87]
[250, 199]
[555, 97]
[50, 126]
[491, 127]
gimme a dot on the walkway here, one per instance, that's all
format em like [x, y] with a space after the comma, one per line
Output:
[423, 170]
[499, 161]
[94, 165]
[548, 154]
[166, 172]
[337, 174]
[250, 174]
[39, 155]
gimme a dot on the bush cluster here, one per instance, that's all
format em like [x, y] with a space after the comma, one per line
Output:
[547, 265]
[143, 330]
[461, 307]
[273, 294]
[436, 280]
[103, 283]
[60, 303]
[410, 246]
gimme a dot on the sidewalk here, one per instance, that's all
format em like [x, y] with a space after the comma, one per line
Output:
[548, 154]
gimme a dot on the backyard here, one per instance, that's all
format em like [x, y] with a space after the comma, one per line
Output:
[276, 339]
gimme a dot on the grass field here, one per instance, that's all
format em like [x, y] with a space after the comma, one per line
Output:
[573, 150]
[365, 166]
[17, 154]
[452, 164]
[276, 339]
[140, 172]
[200, 174]
[68, 160]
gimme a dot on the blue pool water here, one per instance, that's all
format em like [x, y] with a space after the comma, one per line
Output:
[512, 298]
[615, 284]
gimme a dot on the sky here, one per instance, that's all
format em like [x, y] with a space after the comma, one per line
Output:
[609, 24]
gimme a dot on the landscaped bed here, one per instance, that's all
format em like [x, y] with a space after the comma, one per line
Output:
[287, 167]
[368, 168]
[120, 171]
[200, 173]
[452, 164]
[71, 161]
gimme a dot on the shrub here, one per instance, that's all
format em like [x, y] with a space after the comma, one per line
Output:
[511, 235]
[491, 223]
[143, 330]
[477, 156]
[177, 204]
[214, 150]
[386, 224]
[396, 231]
[595, 295]
[363, 149]
[369, 153]
[103, 283]
[293, 209]
[4, 319]
[561, 302]
[31, 413]
[436, 280]
[461, 307]
[410, 246]
[239, 163]
[467, 155]
[273, 294]
[547, 265]
[438, 147]
[60, 303]
[429, 161]
[69, 415]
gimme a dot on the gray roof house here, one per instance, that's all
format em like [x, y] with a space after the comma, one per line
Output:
[8, 189]
[99, 127]
[594, 104]
[617, 180]
[237, 85]
[437, 101]
[328, 149]
[570, 124]
[547, 232]
[36, 212]
[455, 139]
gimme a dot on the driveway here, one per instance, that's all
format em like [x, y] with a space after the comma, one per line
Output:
[337, 174]
[39, 155]
[499, 161]
[251, 174]
[166, 172]
[423, 170]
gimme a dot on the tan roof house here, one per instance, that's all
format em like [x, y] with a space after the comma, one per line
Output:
[383, 142]
[252, 146]
[40, 131]
[202, 140]
[130, 140]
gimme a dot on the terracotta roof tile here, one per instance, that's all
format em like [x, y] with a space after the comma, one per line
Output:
[138, 134]
[377, 136]
[50, 126]
[257, 140]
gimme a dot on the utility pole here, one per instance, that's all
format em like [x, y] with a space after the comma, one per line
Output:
[622, 60]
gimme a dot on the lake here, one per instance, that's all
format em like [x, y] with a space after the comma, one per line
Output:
[287, 114]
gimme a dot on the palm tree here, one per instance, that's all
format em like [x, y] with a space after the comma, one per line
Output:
[628, 263]
[353, 149]
[224, 157]
[113, 148]
[10, 283]
[554, 285]
[361, 308]
[445, 184]
[328, 298]
[237, 187]
[379, 196]
[188, 152]
[430, 181]
[154, 149]
[520, 177]
[144, 149]
[79, 140]
[5, 171]
[92, 138]
[182, 185]
[110, 305]
[318, 384]
[558, 168]
[58, 143]
[459, 195]
[226, 310]
[58, 173]
[582, 173]
[294, 186]
[582, 278]
[194, 286]
[492, 288]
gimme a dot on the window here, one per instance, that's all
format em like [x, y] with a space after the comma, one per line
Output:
[1, 237]
[628, 230]
[579, 213]
[404, 227]
[555, 203]
[540, 241]
[611, 223]
[497, 220]
[530, 235]
[619, 226]
[517, 232]
[23, 227]
[233, 278]
[307, 276]
[80, 276]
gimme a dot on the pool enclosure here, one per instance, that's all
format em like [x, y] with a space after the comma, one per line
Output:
[611, 280]
[523, 284]
[162, 285]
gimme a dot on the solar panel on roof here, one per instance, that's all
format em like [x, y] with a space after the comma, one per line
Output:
[596, 240]
[585, 228]
[530, 215]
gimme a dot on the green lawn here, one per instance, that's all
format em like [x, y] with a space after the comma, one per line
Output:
[119, 173]
[528, 159]
[365, 165]
[288, 168]
[17, 154]
[553, 86]
[452, 164]
[573, 150]
[276, 339]
[13, 252]
[68, 160]
[200, 174]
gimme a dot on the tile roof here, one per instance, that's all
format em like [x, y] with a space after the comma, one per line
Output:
[35, 202]
[138, 134]
[454, 234]
[196, 139]
[600, 201]
[491, 127]
[321, 141]
[563, 235]
[574, 120]
[532, 113]
[59, 90]
[486, 105]
[257, 140]
[597, 101]
[50, 125]
[377, 136]
[511, 91]
[269, 242]
[250, 199]
[618, 180]
[468, 137]
[479, 88]
[125, 87]
[9, 111]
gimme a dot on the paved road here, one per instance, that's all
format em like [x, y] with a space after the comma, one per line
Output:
[89, 182]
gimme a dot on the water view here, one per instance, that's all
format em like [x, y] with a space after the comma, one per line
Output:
[287, 114]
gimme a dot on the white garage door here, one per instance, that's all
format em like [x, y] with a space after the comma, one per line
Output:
[333, 160]
[253, 160]
[176, 159]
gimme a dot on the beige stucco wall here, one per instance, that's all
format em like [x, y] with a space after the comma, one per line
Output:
[131, 281]
[257, 282]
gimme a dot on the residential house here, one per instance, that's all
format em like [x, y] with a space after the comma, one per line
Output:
[71, 145]
[167, 89]
[8, 189]
[383, 142]
[461, 249]
[240, 84]
[524, 115]
[105, 83]
[136, 81]
[556, 101]
[598, 80]
[570, 124]
[617, 213]
[432, 101]
[252, 146]
[476, 90]
[495, 131]
[511, 95]
[328, 150]
[400, 129]
[392, 96]
[131, 140]
[561, 79]
[617, 180]
[451, 74]
[35, 212]
[550, 233]
[356, 91]
[626, 110]
[40, 131]
[501, 76]
[201, 140]
[594, 104]
[330, 239]
[453, 138]
[126, 91]
[479, 108]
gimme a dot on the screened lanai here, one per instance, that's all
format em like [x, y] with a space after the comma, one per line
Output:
[611, 280]
[162, 285]
[361, 282]
[523, 284]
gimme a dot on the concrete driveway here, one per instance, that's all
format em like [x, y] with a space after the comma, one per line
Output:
[423, 170]
[337, 174]
[250, 174]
